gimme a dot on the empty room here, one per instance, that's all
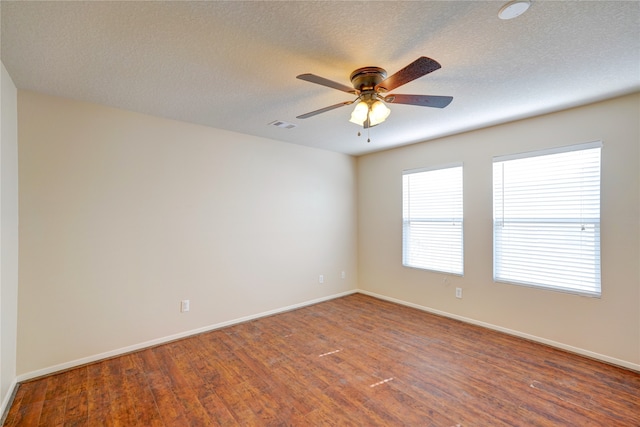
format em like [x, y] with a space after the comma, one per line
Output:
[306, 213]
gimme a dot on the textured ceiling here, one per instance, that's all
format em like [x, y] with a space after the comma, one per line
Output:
[232, 64]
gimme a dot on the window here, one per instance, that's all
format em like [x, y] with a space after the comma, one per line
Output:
[546, 219]
[432, 219]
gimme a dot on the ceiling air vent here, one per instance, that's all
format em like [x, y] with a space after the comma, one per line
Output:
[284, 125]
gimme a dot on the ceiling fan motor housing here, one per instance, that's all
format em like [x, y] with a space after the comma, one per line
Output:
[365, 79]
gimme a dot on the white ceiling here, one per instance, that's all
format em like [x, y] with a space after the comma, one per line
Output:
[232, 64]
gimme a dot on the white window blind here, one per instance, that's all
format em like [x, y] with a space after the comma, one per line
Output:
[546, 209]
[432, 219]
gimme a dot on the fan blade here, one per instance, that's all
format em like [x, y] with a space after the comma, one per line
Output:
[324, 110]
[418, 68]
[422, 100]
[325, 82]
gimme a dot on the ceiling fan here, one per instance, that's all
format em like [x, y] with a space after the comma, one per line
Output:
[370, 85]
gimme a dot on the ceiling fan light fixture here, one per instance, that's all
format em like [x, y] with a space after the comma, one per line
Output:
[359, 114]
[378, 113]
[372, 111]
[513, 9]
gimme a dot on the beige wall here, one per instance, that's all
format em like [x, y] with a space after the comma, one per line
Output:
[123, 215]
[608, 327]
[8, 235]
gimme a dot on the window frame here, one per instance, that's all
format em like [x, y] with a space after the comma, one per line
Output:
[406, 222]
[594, 290]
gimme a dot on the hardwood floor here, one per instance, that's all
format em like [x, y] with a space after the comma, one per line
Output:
[353, 361]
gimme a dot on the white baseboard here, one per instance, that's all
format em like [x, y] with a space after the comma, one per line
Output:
[120, 351]
[571, 349]
[7, 400]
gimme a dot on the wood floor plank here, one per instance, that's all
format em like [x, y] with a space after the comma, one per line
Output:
[351, 361]
[53, 412]
[26, 415]
[178, 370]
[217, 410]
[97, 393]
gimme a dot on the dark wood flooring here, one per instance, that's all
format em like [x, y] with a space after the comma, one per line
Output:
[352, 361]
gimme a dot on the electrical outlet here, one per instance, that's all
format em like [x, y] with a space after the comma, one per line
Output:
[343, 275]
[321, 278]
[184, 305]
[458, 292]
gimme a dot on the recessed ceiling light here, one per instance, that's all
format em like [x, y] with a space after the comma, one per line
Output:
[514, 9]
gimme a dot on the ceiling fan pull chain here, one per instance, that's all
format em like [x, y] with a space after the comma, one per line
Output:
[368, 139]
